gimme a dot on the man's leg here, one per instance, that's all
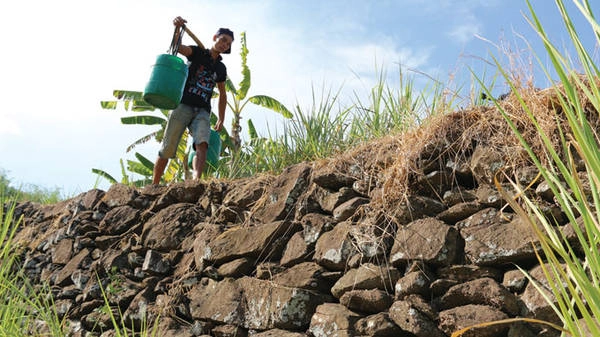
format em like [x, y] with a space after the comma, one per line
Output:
[159, 169]
[176, 124]
[200, 130]
[200, 159]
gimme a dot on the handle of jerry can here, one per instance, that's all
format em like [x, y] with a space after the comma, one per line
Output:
[176, 40]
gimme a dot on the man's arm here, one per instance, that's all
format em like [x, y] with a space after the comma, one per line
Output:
[183, 50]
[222, 105]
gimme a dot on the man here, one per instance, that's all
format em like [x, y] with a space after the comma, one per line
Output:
[205, 71]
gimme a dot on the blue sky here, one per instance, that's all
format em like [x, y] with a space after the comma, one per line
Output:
[61, 58]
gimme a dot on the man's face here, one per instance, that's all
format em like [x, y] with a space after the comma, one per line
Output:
[222, 42]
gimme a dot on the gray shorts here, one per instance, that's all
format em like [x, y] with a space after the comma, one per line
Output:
[197, 121]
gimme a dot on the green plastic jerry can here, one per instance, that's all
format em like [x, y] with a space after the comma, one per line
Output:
[214, 150]
[169, 74]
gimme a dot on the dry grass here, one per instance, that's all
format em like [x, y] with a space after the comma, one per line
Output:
[393, 164]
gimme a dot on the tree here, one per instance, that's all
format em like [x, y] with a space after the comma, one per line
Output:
[238, 98]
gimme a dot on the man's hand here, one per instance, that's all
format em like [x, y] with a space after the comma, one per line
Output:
[219, 125]
[179, 21]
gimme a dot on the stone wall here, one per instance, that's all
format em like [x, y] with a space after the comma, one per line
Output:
[309, 252]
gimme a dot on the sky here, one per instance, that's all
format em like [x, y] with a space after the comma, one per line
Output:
[61, 58]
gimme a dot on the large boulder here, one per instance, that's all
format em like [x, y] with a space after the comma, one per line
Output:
[429, 240]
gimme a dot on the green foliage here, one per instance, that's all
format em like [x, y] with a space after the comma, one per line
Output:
[396, 110]
[29, 192]
[319, 132]
[24, 309]
[132, 101]
[326, 128]
[143, 168]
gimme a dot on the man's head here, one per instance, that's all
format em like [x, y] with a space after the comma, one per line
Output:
[223, 39]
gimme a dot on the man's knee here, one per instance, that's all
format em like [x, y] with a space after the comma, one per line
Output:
[201, 146]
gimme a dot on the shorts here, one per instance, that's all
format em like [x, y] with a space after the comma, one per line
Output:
[197, 121]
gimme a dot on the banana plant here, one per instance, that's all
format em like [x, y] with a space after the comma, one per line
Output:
[144, 167]
[238, 100]
[134, 167]
[132, 101]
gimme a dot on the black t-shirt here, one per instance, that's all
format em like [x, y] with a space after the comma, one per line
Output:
[203, 75]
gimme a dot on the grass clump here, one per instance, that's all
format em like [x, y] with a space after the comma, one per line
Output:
[557, 129]
[25, 309]
[569, 162]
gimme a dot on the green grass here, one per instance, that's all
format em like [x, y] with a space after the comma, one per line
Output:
[25, 309]
[573, 279]
[29, 192]
[326, 128]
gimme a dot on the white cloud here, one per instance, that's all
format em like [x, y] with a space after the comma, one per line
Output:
[465, 32]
